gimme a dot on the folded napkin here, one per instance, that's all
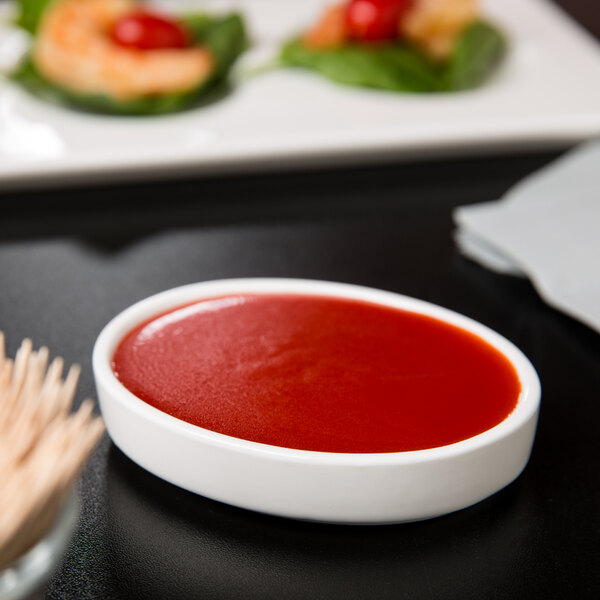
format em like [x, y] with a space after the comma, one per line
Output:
[546, 228]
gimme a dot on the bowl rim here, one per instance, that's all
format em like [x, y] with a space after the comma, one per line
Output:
[114, 331]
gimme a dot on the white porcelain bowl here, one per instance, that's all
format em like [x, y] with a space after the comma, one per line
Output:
[322, 486]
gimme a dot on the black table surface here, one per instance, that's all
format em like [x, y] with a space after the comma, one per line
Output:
[71, 259]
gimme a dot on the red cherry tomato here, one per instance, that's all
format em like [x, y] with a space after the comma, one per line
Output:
[148, 31]
[375, 20]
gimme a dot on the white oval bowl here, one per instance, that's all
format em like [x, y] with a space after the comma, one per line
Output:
[321, 486]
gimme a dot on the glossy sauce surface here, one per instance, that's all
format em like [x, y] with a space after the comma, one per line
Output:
[318, 373]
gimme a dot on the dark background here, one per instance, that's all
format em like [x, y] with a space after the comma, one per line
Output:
[71, 259]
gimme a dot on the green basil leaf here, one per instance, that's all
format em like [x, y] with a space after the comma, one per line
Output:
[389, 67]
[225, 37]
[477, 53]
[30, 13]
[399, 67]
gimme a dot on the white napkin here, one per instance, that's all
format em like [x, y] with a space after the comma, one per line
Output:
[546, 228]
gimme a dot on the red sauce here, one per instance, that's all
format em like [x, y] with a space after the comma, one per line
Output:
[318, 373]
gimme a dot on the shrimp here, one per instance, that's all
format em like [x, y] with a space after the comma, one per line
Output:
[330, 31]
[73, 49]
[434, 25]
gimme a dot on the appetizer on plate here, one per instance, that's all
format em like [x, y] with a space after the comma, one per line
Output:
[118, 57]
[401, 45]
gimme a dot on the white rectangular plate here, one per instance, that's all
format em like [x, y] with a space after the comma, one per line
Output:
[547, 94]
